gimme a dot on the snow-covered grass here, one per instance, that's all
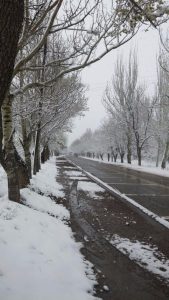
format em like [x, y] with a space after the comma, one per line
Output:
[45, 180]
[148, 167]
[44, 204]
[147, 256]
[39, 258]
[91, 188]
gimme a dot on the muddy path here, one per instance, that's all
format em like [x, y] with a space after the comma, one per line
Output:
[95, 220]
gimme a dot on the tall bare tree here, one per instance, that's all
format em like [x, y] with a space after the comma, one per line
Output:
[11, 18]
[119, 96]
[162, 107]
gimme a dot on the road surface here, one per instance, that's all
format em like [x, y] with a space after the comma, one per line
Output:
[150, 194]
[96, 221]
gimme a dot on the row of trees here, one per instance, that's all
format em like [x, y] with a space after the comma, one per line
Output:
[137, 123]
[39, 94]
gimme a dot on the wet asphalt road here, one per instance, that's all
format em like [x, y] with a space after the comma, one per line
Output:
[93, 221]
[148, 193]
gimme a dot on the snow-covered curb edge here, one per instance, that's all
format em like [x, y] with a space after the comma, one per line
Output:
[123, 197]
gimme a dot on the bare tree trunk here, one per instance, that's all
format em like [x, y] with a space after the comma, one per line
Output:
[122, 157]
[129, 152]
[139, 155]
[158, 152]
[14, 166]
[26, 146]
[114, 154]
[11, 167]
[11, 18]
[115, 157]
[1, 138]
[28, 158]
[23, 176]
[37, 158]
[37, 166]
[101, 156]
[27, 153]
[45, 154]
[165, 156]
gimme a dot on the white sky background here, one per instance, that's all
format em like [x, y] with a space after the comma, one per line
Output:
[97, 75]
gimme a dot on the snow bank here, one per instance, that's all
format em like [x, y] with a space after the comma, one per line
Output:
[84, 178]
[44, 204]
[91, 188]
[45, 180]
[67, 167]
[39, 258]
[147, 256]
[73, 173]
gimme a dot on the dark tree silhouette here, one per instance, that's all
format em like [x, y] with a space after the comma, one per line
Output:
[11, 18]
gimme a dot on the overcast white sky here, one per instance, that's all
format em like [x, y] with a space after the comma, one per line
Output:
[97, 76]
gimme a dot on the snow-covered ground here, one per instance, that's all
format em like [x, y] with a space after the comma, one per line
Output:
[39, 258]
[73, 173]
[148, 167]
[45, 181]
[91, 188]
[147, 256]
